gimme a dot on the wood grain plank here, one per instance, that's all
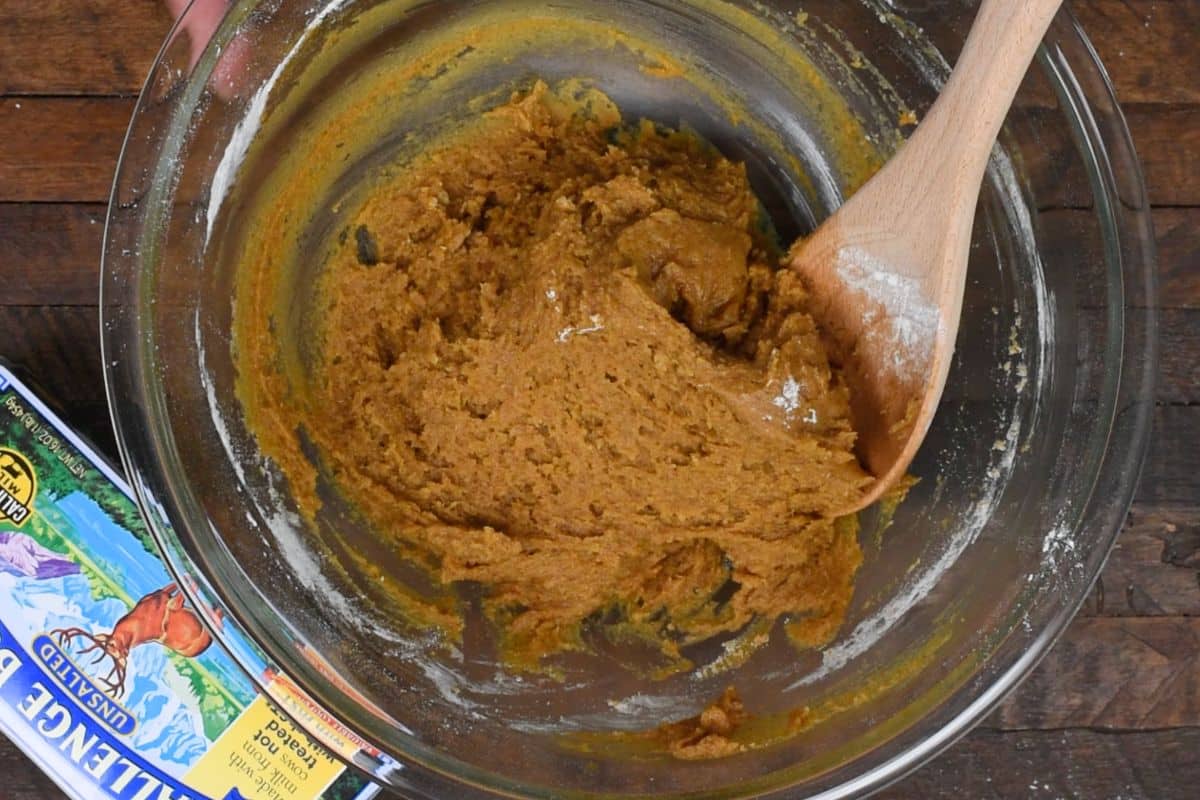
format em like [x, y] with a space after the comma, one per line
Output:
[60, 149]
[1165, 137]
[53, 250]
[1171, 477]
[50, 253]
[1066, 765]
[1071, 235]
[1148, 46]
[986, 765]
[102, 47]
[1154, 570]
[1177, 234]
[1179, 355]
[79, 46]
[1167, 140]
[1112, 673]
[65, 149]
[57, 350]
[61, 266]
[22, 779]
[60, 346]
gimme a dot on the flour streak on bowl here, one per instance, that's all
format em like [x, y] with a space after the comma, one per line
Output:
[244, 133]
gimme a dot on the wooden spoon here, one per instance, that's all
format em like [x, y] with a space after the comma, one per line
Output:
[887, 271]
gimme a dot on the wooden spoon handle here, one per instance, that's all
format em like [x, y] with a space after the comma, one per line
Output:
[924, 198]
[886, 273]
[966, 119]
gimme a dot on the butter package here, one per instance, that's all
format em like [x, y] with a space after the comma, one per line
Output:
[108, 680]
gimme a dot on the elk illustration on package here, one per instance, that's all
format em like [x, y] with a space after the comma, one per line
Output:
[109, 678]
[160, 616]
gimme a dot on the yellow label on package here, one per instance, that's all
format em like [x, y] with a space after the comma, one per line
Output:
[264, 750]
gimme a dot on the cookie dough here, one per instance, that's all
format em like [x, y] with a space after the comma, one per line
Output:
[556, 360]
[707, 735]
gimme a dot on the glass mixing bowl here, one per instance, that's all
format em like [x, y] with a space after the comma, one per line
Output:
[1024, 479]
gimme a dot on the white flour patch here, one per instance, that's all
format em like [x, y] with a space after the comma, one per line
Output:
[639, 704]
[1058, 545]
[447, 683]
[303, 562]
[909, 324]
[788, 399]
[636, 712]
[571, 331]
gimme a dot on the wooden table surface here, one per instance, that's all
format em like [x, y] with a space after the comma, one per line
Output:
[1113, 712]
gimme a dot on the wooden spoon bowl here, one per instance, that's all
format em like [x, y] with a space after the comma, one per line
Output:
[886, 272]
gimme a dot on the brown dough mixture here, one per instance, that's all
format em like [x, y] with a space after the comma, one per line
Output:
[708, 734]
[558, 360]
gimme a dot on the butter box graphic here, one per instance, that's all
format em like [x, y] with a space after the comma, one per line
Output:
[108, 679]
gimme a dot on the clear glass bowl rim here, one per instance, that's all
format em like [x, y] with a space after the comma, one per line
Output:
[1123, 212]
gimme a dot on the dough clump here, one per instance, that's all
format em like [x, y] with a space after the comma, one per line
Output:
[557, 359]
